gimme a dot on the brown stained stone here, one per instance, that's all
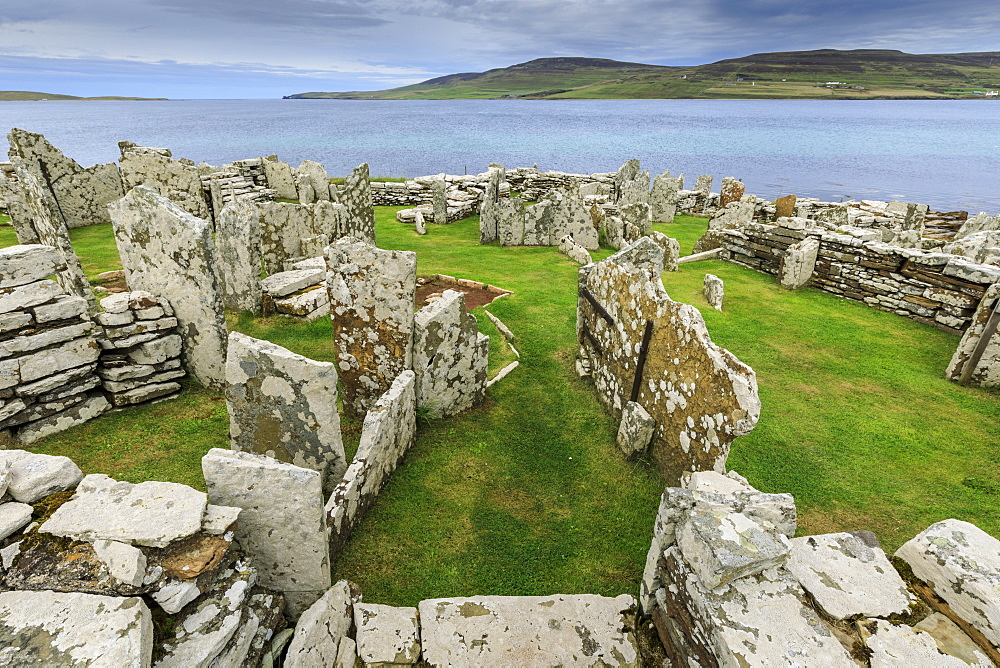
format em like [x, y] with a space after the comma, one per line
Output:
[732, 191]
[700, 395]
[189, 558]
[784, 206]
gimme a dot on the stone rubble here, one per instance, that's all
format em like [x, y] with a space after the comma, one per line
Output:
[574, 251]
[714, 291]
[635, 430]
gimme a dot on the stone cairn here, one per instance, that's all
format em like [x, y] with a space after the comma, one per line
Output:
[141, 349]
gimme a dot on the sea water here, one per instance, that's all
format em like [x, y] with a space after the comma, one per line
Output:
[942, 153]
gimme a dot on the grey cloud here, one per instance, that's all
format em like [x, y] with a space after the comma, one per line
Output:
[320, 14]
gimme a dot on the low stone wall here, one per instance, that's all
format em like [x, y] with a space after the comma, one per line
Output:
[934, 288]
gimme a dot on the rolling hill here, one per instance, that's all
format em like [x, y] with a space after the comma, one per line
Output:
[820, 74]
[34, 96]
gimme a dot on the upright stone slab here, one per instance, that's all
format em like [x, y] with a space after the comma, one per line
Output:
[671, 249]
[439, 198]
[329, 219]
[714, 291]
[52, 231]
[732, 191]
[986, 370]
[280, 179]
[487, 212]
[169, 253]
[784, 206]
[449, 356]
[978, 223]
[372, 299]
[637, 221]
[283, 405]
[703, 184]
[571, 216]
[538, 220]
[156, 169]
[798, 263]
[699, 394]
[283, 225]
[663, 198]
[315, 175]
[510, 221]
[282, 526]
[735, 215]
[238, 234]
[631, 184]
[356, 196]
[82, 194]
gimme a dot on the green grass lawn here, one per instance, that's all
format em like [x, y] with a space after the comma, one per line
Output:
[527, 494]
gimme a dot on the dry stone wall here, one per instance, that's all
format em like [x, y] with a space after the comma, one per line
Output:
[639, 345]
[155, 168]
[977, 359]
[169, 253]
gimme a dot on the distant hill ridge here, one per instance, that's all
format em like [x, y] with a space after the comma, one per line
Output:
[35, 96]
[820, 74]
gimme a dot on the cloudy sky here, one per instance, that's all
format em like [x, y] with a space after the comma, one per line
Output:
[270, 48]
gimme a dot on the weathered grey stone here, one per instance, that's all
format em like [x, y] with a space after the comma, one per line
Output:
[636, 221]
[978, 223]
[26, 296]
[418, 223]
[538, 219]
[283, 405]
[125, 562]
[77, 352]
[449, 356]
[287, 282]
[13, 517]
[961, 563]
[700, 395]
[663, 198]
[798, 263]
[732, 191]
[69, 629]
[219, 519]
[671, 249]
[982, 247]
[170, 253]
[951, 639]
[157, 351]
[280, 179]
[63, 308]
[82, 194]
[85, 411]
[439, 198]
[389, 431]
[372, 299]
[559, 630]
[574, 251]
[5, 476]
[635, 431]
[703, 184]
[322, 627]
[24, 264]
[987, 369]
[237, 237]
[893, 646]
[13, 321]
[149, 513]
[157, 170]
[386, 635]
[509, 214]
[714, 291]
[571, 216]
[848, 577]
[347, 654]
[311, 304]
[316, 176]
[631, 184]
[176, 594]
[735, 215]
[488, 231]
[356, 195]
[282, 525]
[35, 476]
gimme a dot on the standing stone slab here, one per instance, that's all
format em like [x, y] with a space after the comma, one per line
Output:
[703, 184]
[961, 563]
[798, 263]
[671, 249]
[663, 197]
[714, 291]
[150, 513]
[156, 169]
[283, 225]
[372, 299]
[449, 356]
[283, 405]
[510, 221]
[571, 216]
[732, 191]
[700, 395]
[784, 206]
[631, 184]
[280, 179]
[487, 212]
[559, 630]
[356, 196]
[169, 253]
[322, 627]
[282, 525]
[987, 369]
[238, 233]
[538, 219]
[439, 199]
[389, 431]
[69, 629]
[314, 174]
[635, 431]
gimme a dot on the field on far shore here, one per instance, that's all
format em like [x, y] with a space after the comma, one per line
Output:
[528, 495]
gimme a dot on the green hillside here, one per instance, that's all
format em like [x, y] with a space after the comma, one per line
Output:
[34, 96]
[821, 74]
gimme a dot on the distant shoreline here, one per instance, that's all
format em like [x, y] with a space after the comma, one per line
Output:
[35, 96]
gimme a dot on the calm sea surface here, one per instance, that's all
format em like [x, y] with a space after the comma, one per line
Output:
[945, 154]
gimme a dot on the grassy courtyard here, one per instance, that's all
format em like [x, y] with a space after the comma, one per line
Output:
[527, 494]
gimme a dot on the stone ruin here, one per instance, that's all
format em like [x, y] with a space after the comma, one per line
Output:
[640, 346]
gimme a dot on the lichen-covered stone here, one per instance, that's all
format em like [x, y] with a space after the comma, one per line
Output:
[663, 197]
[570, 216]
[798, 263]
[237, 237]
[359, 214]
[372, 299]
[314, 173]
[125, 562]
[848, 577]
[450, 356]
[283, 405]
[387, 635]
[34, 476]
[559, 630]
[170, 253]
[714, 291]
[389, 431]
[732, 191]
[280, 179]
[439, 199]
[987, 370]
[574, 251]
[24, 264]
[700, 395]
[488, 231]
[321, 628]
[282, 525]
[148, 513]
[635, 431]
[671, 249]
[961, 563]
[156, 169]
[72, 629]
[509, 214]
[892, 646]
